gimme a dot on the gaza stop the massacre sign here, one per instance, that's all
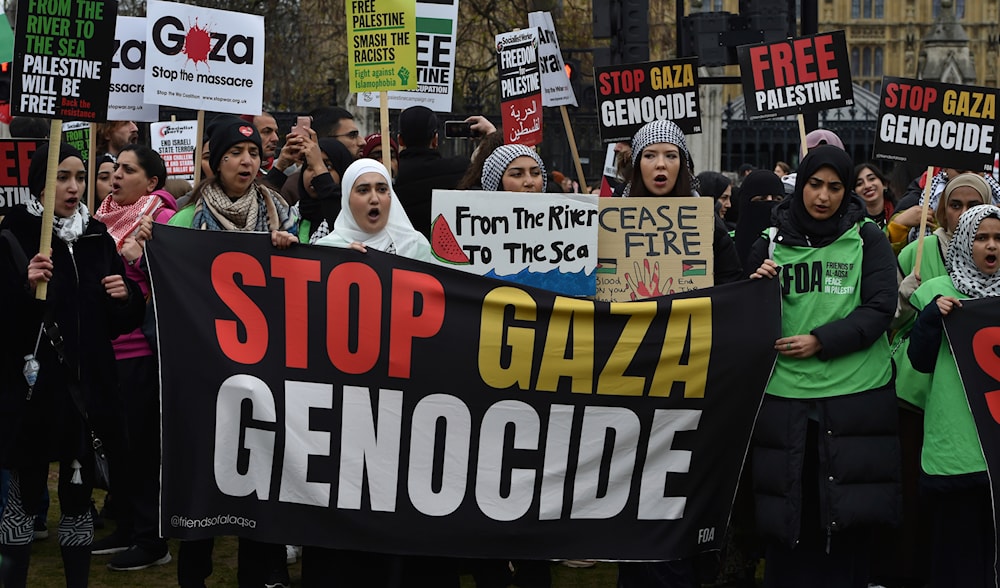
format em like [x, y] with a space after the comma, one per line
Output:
[805, 74]
[930, 123]
[367, 401]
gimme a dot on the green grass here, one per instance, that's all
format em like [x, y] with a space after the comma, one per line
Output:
[46, 565]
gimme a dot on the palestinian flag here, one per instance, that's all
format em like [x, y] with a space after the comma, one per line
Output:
[693, 267]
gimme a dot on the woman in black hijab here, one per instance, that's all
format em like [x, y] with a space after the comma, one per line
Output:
[826, 461]
[759, 193]
[319, 186]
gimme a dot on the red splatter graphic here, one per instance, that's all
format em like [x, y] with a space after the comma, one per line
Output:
[197, 44]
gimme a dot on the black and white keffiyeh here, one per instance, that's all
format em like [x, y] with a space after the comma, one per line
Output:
[964, 272]
[659, 131]
[497, 162]
[68, 229]
[938, 184]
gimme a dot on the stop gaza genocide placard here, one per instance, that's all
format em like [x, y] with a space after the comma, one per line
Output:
[805, 74]
[930, 123]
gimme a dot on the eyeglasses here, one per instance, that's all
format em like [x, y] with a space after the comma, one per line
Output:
[353, 134]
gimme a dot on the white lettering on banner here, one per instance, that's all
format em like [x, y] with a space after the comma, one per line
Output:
[798, 95]
[923, 132]
[637, 110]
[517, 57]
[442, 425]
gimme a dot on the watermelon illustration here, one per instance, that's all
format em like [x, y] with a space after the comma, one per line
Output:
[444, 246]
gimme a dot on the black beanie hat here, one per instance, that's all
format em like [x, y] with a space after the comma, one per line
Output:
[417, 126]
[39, 163]
[224, 132]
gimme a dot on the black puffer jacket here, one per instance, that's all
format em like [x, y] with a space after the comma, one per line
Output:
[48, 427]
[421, 171]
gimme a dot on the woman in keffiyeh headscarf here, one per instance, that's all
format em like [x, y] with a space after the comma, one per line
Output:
[954, 475]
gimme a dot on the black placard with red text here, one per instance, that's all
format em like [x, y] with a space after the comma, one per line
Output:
[974, 336]
[805, 74]
[629, 96]
[62, 59]
[15, 158]
[930, 123]
[323, 396]
[520, 86]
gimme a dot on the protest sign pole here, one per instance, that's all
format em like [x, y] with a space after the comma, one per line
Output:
[803, 148]
[573, 150]
[923, 221]
[199, 143]
[49, 199]
[383, 116]
[91, 167]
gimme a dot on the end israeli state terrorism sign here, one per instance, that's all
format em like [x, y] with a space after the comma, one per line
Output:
[381, 45]
[62, 59]
[629, 96]
[204, 59]
[324, 396]
[931, 123]
[805, 74]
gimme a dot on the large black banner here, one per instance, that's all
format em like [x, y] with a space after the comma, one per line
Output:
[974, 335]
[323, 396]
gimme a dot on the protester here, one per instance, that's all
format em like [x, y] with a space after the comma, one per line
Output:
[326, 162]
[136, 201]
[873, 187]
[825, 448]
[422, 168]
[782, 169]
[718, 187]
[113, 135]
[338, 123]
[89, 301]
[963, 547]
[233, 200]
[514, 168]
[759, 193]
[472, 179]
[268, 129]
[373, 150]
[102, 184]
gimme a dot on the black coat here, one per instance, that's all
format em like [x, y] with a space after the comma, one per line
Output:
[421, 170]
[48, 427]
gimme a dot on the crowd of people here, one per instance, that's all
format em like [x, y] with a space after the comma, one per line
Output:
[864, 441]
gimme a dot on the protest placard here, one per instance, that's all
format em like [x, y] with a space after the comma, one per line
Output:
[15, 157]
[931, 123]
[313, 389]
[437, 25]
[175, 141]
[204, 59]
[629, 96]
[805, 74]
[128, 72]
[62, 59]
[649, 247]
[543, 240]
[556, 88]
[520, 87]
[381, 54]
[77, 134]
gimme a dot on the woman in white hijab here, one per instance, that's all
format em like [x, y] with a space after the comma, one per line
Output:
[372, 216]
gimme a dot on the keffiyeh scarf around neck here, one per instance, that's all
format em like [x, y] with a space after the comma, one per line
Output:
[964, 272]
[67, 229]
[257, 210]
[123, 219]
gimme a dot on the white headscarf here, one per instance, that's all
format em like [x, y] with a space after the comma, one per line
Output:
[964, 272]
[398, 236]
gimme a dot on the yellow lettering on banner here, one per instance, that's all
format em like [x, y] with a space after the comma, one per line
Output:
[671, 76]
[576, 316]
[613, 381]
[495, 337]
[970, 104]
[687, 346]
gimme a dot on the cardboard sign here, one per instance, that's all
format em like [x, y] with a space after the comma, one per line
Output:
[520, 87]
[77, 134]
[204, 59]
[381, 53]
[15, 157]
[175, 142]
[556, 87]
[437, 26]
[649, 247]
[128, 72]
[931, 123]
[629, 96]
[806, 74]
[543, 240]
[62, 59]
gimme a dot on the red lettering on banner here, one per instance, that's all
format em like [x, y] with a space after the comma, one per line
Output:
[406, 324]
[797, 62]
[225, 268]
[297, 273]
[363, 280]
[824, 57]
[17, 155]
[618, 82]
[984, 344]
[905, 96]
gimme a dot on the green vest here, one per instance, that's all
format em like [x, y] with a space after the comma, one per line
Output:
[951, 444]
[911, 385]
[183, 218]
[821, 285]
